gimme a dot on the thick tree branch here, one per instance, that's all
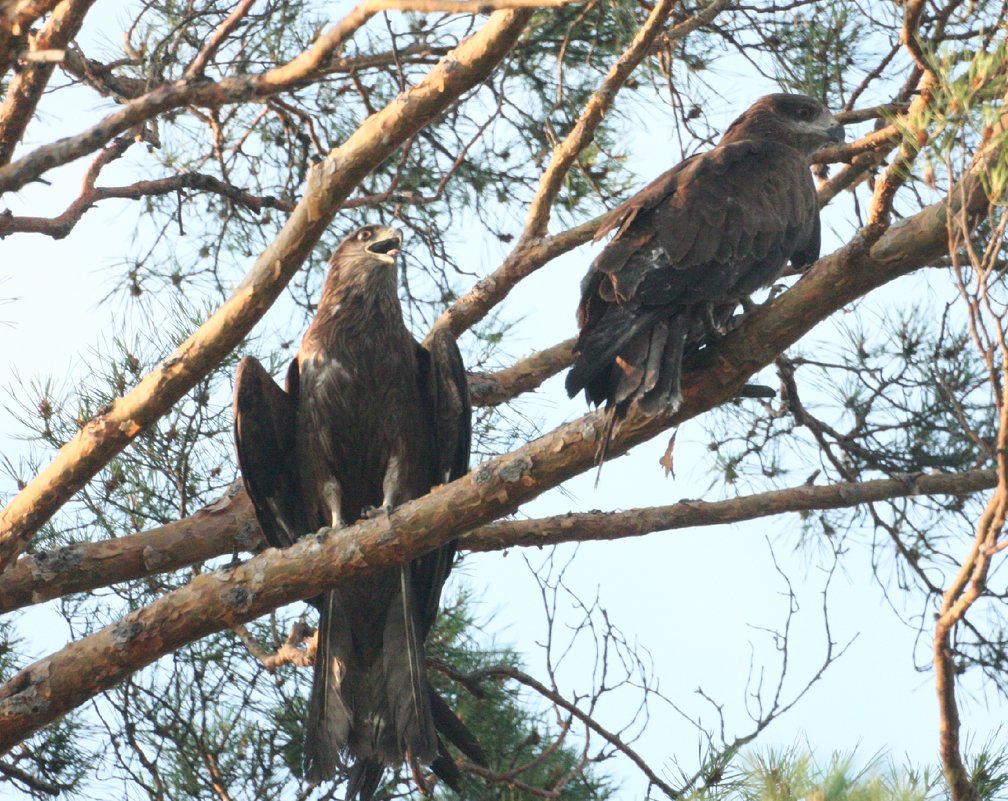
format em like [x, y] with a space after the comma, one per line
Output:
[15, 20]
[27, 86]
[329, 183]
[689, 514]
[519, 263]
[229, 526]
[491, 389]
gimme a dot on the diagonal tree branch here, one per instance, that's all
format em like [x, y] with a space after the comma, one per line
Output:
[492, 389]
[583, 132]
[51, 687]
[534, 249]
[15, 20]
[26, 88]
[328, 184]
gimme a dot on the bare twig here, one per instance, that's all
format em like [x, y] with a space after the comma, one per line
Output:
[214, 43]
[987, 319]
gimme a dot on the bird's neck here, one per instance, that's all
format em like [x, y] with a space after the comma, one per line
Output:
[346, 307]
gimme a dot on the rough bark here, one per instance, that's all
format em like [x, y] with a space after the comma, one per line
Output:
[229, 526]
[26, 88]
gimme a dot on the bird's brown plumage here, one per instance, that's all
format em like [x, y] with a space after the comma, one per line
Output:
[693, 243]
[369, 419]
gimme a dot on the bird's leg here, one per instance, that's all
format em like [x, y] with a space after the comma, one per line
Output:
[391, 490]
[775, 290]
[712, 331]
[333, 494]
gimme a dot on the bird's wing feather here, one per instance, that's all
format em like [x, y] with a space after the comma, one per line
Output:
[446, 386]
[443, 381]
[264, 418]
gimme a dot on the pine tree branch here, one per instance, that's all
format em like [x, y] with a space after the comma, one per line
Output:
[583, 132]
[491, 389]
[329, 183]
[582, 527]
[26, 88]
[307, 66]
[229, 526]
[16, 18]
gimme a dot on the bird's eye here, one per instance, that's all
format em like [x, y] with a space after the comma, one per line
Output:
[364, 235]
[805, 113]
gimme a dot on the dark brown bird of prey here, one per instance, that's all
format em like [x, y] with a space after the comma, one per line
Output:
[370, 418]
[690, 246]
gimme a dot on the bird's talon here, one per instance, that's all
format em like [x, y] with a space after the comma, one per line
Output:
[371, 512]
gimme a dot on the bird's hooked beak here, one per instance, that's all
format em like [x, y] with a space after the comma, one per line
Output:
[386, 244]
[836, 132]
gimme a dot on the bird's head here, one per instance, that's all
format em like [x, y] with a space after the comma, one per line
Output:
[365, 261]
[798, 120]
[369, 245]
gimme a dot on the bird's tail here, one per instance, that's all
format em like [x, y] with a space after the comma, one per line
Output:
[454, 730]
[379, 713]
[648, 370]
[599, 345]
[661, 389]
[329, 718]
[405, 674]
[363, 779]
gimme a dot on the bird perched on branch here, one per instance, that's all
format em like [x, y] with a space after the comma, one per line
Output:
[690, 246]
[370, 418]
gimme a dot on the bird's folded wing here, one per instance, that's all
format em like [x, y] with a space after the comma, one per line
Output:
[264, 418]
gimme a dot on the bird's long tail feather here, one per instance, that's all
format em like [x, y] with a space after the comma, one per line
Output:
[406, 675]
[454, 730]
[363, 779]
[329, 719]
